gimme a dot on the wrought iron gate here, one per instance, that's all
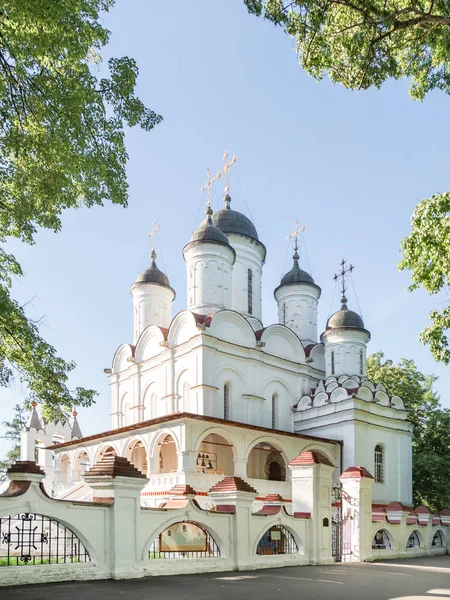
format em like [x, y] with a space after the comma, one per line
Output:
[341, 540]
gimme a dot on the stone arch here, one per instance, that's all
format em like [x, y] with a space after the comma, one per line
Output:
[276, 523]
[265, 457]
[439, 539]
[281, 341]
[136, 452]
[125, 405]
[183, 389]
[150, 407]
[182, 328]
[108, 448]
[120, 360]
[222, 432]
[215, 455]
[415, 539]
[231, 326]
[64, 468]
[81, 462]
[382, 538]
[60, 541]
[179, 519]
[165, 449]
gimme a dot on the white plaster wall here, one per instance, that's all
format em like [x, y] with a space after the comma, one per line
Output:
[249, 255]
[152, 305]
[209, 273]
[297, 309]
[346, 345]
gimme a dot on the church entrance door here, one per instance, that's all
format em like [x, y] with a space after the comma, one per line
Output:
[275, 472]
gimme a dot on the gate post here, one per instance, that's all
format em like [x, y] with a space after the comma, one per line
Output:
[311, 477]
[117, 482]
[357, 502]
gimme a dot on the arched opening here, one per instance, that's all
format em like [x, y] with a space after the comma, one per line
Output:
[378, 460]
[137, 455]
[82, 464]
[413, 540]
[107, 451]
[438, 540]
[381, 540]
[215, 456]
[64, 469]
[266, 462]
[168, 458]
[184, 540]
[33, 539]
[277, 540]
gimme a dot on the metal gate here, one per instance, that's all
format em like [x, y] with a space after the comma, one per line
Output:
[341, 540]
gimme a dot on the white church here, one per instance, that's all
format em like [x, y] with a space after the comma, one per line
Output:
[212, 400]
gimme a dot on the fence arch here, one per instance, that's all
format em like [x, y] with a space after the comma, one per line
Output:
[277, 539]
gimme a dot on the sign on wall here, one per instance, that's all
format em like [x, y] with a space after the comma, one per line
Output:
[182, 537]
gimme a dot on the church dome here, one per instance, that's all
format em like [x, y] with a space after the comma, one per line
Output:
[345, 318]
[208, 232]
[153, 275]
[296, 275]
[231, 221]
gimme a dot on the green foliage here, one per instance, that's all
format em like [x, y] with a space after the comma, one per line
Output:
[12, 435]
[61, 146]
[362, 43]
[426, 253]
[431, 433]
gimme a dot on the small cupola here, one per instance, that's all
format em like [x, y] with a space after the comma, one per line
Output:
[152, 297]
[345, 337]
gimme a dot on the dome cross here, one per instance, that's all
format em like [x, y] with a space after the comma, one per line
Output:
[153, 233]
[342, 275]
[225, 170]
[295, 235]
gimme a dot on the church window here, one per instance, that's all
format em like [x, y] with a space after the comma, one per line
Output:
[274, 410]
[361, 362]
[284, 313]
[250, 291]
[332, 363]
[226, 401]
[379, 464]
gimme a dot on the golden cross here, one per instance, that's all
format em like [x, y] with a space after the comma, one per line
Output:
[208, 185]
[342, 275]
[295, 235]
[225, 170]
[153, 233]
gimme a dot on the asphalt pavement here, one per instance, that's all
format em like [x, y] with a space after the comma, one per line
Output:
[416, 579]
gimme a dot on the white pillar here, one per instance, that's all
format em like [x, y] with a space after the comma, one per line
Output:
[357, 502]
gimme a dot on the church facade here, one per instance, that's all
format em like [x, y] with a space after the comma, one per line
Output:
[211, 402]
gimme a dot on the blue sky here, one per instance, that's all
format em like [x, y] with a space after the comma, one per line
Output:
[351, 166]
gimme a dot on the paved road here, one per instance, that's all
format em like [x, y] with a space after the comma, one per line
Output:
[416, 579]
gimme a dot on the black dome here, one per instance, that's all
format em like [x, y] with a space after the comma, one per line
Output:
[296, 275]
[231, 221]
[208, 232]
[153, 274]
[345, 318]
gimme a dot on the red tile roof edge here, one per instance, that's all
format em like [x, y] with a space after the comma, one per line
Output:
[114, 466]
[25, 466]
[356, 472]
[233, 484]
[311, 457]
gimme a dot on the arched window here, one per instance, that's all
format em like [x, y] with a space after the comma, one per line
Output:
[226, 401]
[284, 313]
[381, 541]
[379, 464]
[274, 410]
[438, 540]
[332, 363]
[250, 291]
[413, 540]
[361, 363]
[277, 540]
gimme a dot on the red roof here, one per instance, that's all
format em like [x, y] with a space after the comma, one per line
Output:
[115, 466]
[233, 484]
[356, 472]
[311, 457]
